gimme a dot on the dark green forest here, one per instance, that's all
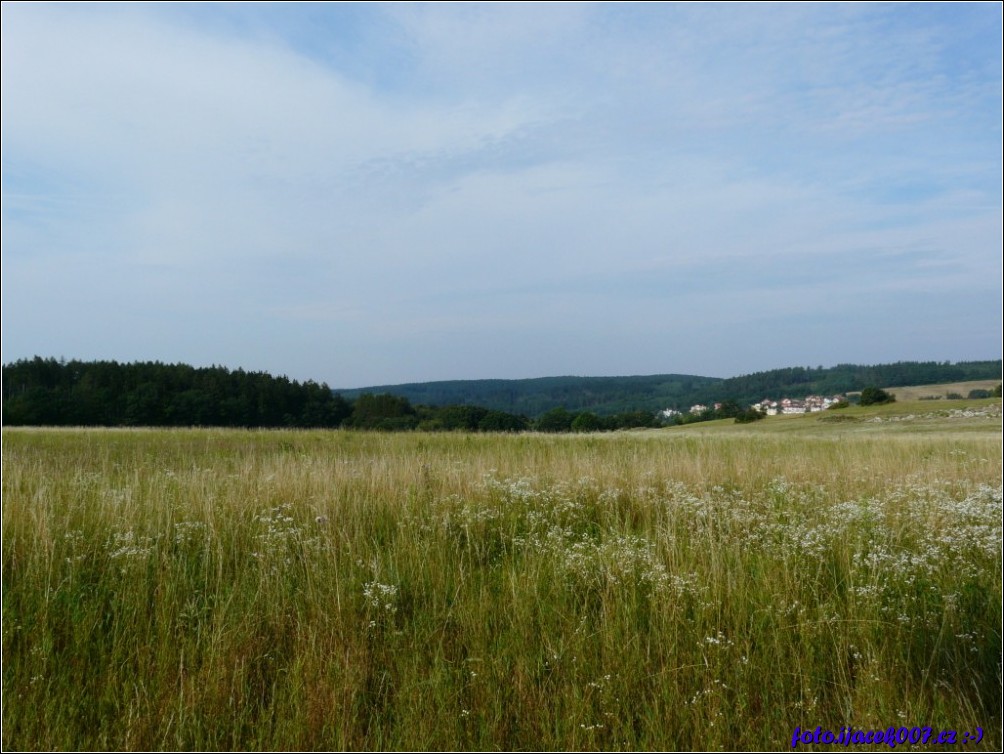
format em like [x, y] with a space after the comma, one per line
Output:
[152, 394]
[47, 392]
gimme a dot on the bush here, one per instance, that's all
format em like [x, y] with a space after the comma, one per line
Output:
[729, 409]
[384, 412]
[555, 420]
[876, 396]
[500, 421]
[630, 420]
[586, 422]
[749, 415]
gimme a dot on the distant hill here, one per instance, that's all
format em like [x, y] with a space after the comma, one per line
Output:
[532, 397]
[612, 395]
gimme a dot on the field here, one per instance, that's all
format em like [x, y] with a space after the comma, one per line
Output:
[702, 587]
[943, 390]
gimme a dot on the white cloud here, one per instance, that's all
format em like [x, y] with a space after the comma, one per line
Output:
[504, 171]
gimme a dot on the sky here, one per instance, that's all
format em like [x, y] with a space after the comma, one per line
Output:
[370, 194]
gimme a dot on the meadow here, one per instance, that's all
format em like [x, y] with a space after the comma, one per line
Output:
[703, 587]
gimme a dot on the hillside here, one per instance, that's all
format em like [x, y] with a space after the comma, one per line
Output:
[611, 395]
[943, 390]
[533, 397]
[946, 418]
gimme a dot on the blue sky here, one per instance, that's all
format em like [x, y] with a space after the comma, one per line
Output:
[369, 194]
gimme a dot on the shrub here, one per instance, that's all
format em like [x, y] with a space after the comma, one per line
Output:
[875, 396]
[500, 421]
[586, 422]
[749, 415]
[555, 420]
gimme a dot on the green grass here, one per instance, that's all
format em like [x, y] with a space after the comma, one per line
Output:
[692, 588]
[977, 417]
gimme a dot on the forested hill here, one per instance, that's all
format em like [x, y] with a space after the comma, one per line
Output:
[533, 397]
[611, 395]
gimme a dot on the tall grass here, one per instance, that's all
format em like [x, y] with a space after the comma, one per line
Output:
[335, 590]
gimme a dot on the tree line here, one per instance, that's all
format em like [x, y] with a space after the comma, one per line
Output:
[604, 396]
[385, 411]
[152, 394]
[47, 392]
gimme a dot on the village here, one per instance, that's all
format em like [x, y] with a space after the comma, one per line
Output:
[807, 405]
[769, 407]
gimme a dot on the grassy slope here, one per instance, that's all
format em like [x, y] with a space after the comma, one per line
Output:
[978, 417]
[942, 390]
[699, 587]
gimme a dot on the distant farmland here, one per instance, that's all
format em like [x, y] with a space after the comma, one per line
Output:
[920, 392]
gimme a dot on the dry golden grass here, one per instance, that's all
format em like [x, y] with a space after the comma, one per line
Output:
[691, 588]
[916, 393]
